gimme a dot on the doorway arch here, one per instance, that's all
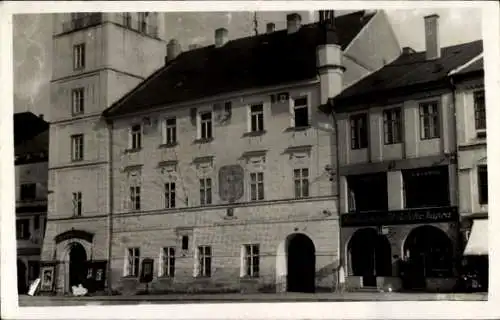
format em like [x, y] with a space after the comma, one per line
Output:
[77, 264]
[301, 263]
[370, 255]
[22, 286]
[429, 251]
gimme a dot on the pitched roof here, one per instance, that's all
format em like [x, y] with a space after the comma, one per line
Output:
[476, 66]
[251, 62]
[31, 138]
[410, 71]
[28, 125]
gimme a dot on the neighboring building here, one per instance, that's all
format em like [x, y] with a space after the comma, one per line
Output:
[397, 147]
[472, 163]
[31, 146]
[97, 58]
[221, 162]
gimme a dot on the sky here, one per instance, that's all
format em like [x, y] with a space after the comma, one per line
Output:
[33, 40]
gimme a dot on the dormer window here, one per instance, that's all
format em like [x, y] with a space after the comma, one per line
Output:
[206, 125]
[136, 137]
[359, 131]
[300, 112]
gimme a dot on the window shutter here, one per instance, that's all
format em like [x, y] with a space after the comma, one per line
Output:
[130, 137]
[125, 264]
[160, 263]
[243, 266]
[196, 269]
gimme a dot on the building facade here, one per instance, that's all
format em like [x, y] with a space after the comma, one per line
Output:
[398, 170]
[97, 57]
[31, 166]
[220, 163]
[472, 164]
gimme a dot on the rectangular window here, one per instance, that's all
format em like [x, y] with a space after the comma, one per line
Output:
[185, 242]
[479, 110]
[23, 229]
[392, 126]
[135, 197]
[28, 191]
[252, 260]
[359, 131]
[301, 180]
[142, 21]
[79, 56]
[170, 131]
[206, 125]
[205, 261]
[205, 191]
[300, 112]
[136, 137]
[168, 262]
[429, 120]
[426, 187]
[77, 204]
[77, 147]
[367, 192]
[133, 262]
[257, 118]
[483, 184]
[78, 101]
[170, 195]
[256, 186]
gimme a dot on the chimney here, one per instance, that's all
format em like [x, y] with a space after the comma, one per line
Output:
[221, 37]
[408, 50]
[293, 22]
[270, 27]
[432, 47]
[40, 116]
[173, 50]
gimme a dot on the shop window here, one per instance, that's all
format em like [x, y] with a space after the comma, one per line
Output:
[483, 184]
[368, 192]
[426, 187]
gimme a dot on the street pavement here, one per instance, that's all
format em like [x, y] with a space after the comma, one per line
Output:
[37, 301]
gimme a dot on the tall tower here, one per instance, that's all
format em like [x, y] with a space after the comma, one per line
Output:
[97, 58]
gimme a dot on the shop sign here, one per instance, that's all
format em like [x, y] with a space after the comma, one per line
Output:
[409, 216]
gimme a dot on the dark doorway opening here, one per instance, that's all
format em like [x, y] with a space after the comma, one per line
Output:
[370, 254]
[77, 265]
[22, 286]
[429, 253]
[301, 264]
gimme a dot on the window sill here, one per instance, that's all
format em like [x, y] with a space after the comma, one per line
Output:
[131, 277]
[204, 140]
[250, 278]
[82, 68]
[294, 129]
[168, 145]
[430, 138]
[359, 149]
[76, 160]
[133, 150]
[481, 134]
[392, 143]
[254, 133]
[77, 114]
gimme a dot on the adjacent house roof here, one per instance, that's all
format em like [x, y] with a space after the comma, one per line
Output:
[408, 73]
[476, 66]
[31, 138]
[251, 62]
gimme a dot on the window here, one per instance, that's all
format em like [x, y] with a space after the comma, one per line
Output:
[392, 126]
[127, 19]
[23, 229]
[77, 204]
[28, 191]
[142, 21]
[170, 132]
[33, 270]
[79, 56]
[168, 262]
[251, 260]
[367, 192]
[185, 243]
[133, 259]
[78, 101]
[205, 261]
[257, 118]
[301, 180]
[300, 112]
[77, 147]
[206, 125]
[359, 131]
[135, 197]
[170, 195]
[479, 110]
[426, 187]
[256, 186]
[205, 191]
[429, 120]
[483, 184]
[136, 137]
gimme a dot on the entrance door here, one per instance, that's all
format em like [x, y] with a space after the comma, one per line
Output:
[22, 286]
[301, 264]
[370, 255]
[77, 265]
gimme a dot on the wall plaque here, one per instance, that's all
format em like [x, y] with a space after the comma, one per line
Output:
[231, 179]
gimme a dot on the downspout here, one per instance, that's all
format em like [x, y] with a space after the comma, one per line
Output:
[109, 124]
[337, 173]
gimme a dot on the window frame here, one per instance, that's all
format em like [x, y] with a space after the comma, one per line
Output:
[300, 182]
[479, 123]
[257, 187]
[251, 261]
[77, 147]
[206, 131]
[205, 261]
[359, 133]
[78, 101]
[168, 260]
[393, 125]
[25, 234]
[256, 124]
[133, 262]
[170, 194]
[206, 187]
[482, 197]
[135, 197]
[305, 106]
[433, 118]
[27, 187]
[77, 201]
[169, 131]
[136, 132]
[79, 56]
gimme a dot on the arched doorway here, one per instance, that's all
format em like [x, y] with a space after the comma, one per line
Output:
[77, 264]
[370, 255]
[22, 286]
[429, 252]
[301, 263]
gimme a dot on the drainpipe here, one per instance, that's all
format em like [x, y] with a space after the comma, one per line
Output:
[109, 124]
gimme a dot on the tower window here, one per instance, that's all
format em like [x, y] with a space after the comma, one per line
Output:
[79, 56]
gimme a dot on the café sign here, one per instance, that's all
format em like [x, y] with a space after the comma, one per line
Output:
[408, 216]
